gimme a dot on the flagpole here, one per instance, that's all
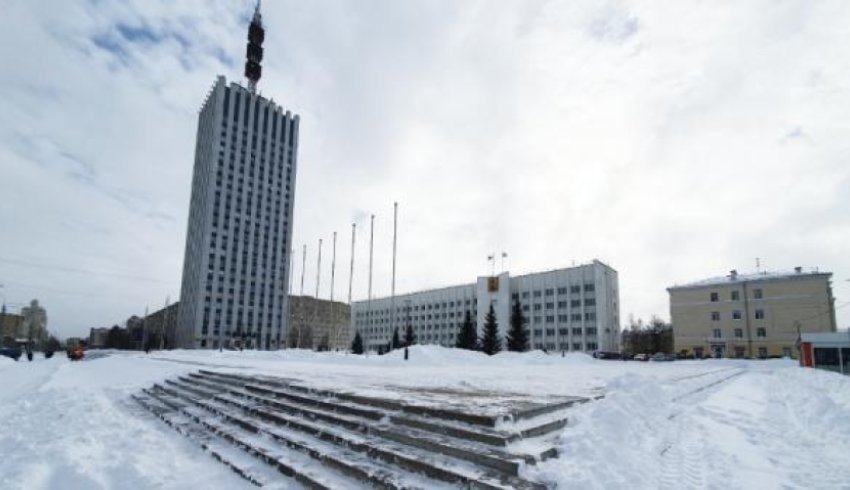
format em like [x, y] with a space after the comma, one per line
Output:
[392, 293]
[371, 253]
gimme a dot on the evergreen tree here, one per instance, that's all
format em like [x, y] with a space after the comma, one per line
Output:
[467, 338]
[518, 335]
[409, 336]
[490, 341]
[357, 344]
[396, 342]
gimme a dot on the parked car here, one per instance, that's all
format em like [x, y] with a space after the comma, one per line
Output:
[662, 357]
[607, 355]
[12, 352]
[641, 357]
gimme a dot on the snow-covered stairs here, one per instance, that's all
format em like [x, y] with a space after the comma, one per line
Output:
[326, 439]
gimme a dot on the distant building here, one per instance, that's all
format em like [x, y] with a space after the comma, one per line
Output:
[135, 333]
[751, 315]
[572, 309]
[236, 265]
[830, 351]
[318, 324]
[10, 326]
[34, 326]
[97, 337]
[161, 326]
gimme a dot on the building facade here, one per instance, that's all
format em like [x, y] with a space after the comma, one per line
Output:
[572, 309]
[318, 324]
[829, 351]
[161, 327]
[752, 315]
[236, 266]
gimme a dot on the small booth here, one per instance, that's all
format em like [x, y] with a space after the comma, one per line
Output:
[830, 351]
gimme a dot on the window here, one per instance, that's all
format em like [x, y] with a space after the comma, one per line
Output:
[590, 317]
[715, 316]
[590, 302]
[786, 352]
[757, 294]
[575, 289]
[562, 290]
[736, 295]
[590, 331]
[716, 333]
[715, 297]
[736, 315]
[537, 307]
[575, 303]
[762, 352]
[525, 294]
[550, 318]
[739, 352]
[550, 306]
[537, 294]
[589, 288]
[550, 292]
[739, 333]
[759, 314]
[761, 332]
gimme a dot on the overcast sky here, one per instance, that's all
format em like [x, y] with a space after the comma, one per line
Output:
[673, 141]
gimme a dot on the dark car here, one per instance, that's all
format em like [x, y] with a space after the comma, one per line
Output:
[661, 357]
[607, 355]
[12, 352]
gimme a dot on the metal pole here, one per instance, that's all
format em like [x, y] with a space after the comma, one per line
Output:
[162, 330]
[333, 324]
[333, 267]
[392, 292]
[371, 250]
[301, 323]
[351, 271]
[318, 282]
[351, 278]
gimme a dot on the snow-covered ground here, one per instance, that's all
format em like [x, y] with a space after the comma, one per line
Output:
[686, 424]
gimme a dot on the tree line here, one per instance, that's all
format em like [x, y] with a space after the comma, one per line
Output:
[516, 340]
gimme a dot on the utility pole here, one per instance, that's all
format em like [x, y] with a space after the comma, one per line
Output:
[301, 316]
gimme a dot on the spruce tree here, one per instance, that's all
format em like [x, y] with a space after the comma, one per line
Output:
[467, 338]
[490, 341]
[409, 336]
[396, 342]
[357, 344]
[517, 335]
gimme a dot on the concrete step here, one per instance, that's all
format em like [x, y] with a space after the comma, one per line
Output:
[198, 435]
[330, 401]
[291, 464]
[410, 459]
[376, 475]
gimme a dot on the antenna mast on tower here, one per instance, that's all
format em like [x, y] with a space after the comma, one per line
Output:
[256, 35]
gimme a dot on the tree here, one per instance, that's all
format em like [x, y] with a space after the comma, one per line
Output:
[396, 342]
[117, 338]
[490, 341]
[52, 344]
[409, 336]
[517, 337]
[325, 343]
[357, 344]
[467, 338]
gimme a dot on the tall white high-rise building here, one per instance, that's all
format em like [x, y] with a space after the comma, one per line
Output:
[236, 265]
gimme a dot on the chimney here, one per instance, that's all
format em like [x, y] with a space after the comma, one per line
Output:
[733, 275]
[798, 269]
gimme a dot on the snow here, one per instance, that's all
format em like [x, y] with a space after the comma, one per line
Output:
[684, 424]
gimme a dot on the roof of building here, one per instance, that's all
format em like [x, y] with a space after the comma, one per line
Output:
[842, 338]
[735, 277]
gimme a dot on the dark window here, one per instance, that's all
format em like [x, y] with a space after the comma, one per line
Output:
[715, 297]
[739, 333]
[759, 314]
[761, 332]
[757, 294]
[736, 295]
[716, 333]
[589, 288]
[715, 316]
[736, 315]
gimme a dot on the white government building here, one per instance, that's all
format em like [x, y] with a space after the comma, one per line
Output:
[572, 309]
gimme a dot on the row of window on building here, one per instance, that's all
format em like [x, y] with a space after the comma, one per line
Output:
[717, 333]
[736, 295]
[737, 315]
